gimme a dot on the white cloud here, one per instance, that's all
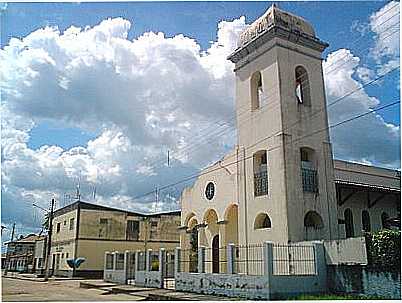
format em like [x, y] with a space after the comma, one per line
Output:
[144, 96]
[385, 26]
[366, 140]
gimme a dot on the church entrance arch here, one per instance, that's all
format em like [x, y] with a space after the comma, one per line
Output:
[215, 254]
[313, 226]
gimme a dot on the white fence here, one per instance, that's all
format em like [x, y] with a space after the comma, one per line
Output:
[253, 271]
[262, 271]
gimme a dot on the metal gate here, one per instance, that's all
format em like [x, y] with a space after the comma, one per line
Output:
[168, 270]
[130, 269]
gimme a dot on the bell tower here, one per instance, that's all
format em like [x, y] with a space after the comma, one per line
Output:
[286, 187]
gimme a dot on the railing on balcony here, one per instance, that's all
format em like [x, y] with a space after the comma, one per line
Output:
[310, 180]
[260, 183]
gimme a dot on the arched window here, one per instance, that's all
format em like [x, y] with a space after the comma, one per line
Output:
[258, 97]
[366, 221]
[302, 88]
[384, 220]
[313, 226]
[260, 173]
[349, 223]
[262, 221]
[313, 220]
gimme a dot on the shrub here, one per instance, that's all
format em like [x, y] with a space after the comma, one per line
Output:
[384, 248]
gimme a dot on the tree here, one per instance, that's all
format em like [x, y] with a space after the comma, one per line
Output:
[45, 222]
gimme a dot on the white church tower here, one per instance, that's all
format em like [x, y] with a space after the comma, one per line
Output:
[285, 174]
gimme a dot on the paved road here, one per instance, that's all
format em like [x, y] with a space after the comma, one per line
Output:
[24, 290]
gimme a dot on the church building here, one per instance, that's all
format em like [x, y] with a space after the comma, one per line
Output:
[281, 183]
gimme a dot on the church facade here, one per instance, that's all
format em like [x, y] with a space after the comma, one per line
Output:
[280, 183]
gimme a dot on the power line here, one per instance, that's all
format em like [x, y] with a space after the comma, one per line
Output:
[221, 132]
[207, 171]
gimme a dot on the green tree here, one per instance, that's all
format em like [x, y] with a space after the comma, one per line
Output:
[45, 223]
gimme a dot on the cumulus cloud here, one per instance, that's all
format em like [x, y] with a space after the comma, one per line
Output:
[366, 140]
[144, 97]
[385, 26]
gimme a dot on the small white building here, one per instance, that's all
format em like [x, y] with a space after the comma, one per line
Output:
[280, 183]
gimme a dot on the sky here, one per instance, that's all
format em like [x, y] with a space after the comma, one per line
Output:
[96, 94]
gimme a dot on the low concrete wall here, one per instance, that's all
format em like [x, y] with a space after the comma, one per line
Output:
[149, 279]
[364, 280]
[116, 276]
[346, 251]
[232, 285]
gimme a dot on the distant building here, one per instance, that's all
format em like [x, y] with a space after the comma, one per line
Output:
[40, 255]
[85, 230]
[20, 253]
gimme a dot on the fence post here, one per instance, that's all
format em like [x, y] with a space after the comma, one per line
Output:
[320, 263]
[148, 260]
[230, 258]
[162, 265]
[177, 261]
[268, 250]
[201, 259]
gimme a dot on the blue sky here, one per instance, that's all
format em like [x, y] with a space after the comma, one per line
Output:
[97, 104]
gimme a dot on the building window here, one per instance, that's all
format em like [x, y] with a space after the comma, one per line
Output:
[58, 228]
[302, 89]
[119, 261]
[62, 255]
[260, 173]
[366, 221]
[349, 223]
[262, 221]
[384, 220]
[71, 223]
[66, 255]
[133, 230]
[103, 221]
[258, 96]
[308, 170]
[65, 222]
[109, 261]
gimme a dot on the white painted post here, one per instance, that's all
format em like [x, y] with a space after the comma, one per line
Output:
[137, 254]
[162, 265]
[126, 258]
[114, 259]
[268, 250]
[230, 258]
[201, 259]
[104, 265]
[148, 260]
[177, 268]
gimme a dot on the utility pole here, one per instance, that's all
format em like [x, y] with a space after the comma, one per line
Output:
[49, 241]
[8, 248]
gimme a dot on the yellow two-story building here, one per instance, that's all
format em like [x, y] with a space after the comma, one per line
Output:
[85, 230]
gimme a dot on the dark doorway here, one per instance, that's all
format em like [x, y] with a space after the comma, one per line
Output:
[215, 254]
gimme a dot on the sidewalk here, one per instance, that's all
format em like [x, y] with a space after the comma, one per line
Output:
[33, 277]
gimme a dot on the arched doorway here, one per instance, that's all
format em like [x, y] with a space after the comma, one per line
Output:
[313, 226]
[215, 254]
